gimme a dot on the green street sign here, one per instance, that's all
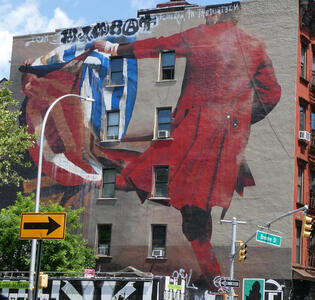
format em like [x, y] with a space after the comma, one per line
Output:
[253, 288]
[267, 238]
[13, 284]
[175, 287]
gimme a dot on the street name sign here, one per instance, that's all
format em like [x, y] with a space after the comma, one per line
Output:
[13, 284]
[267, 238]
[43, 226]
[230, 283]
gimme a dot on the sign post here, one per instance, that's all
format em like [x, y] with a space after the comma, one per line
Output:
[42, 226]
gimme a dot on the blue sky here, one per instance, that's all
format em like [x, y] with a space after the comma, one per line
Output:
[19, 17]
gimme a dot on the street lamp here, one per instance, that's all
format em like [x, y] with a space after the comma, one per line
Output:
[39, 177]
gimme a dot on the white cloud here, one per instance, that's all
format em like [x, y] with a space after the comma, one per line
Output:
[24, 19]
[5, 53]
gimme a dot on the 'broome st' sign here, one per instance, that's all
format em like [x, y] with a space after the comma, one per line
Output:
[267, 238]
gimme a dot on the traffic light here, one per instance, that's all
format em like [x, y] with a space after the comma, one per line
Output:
[242, 252]
[43, 280]
[307, 226]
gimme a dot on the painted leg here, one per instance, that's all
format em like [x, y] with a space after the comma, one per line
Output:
[207, 261]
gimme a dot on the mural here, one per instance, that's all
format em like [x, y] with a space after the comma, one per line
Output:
[229, 84]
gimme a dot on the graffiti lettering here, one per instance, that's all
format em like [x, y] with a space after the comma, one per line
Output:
[181, 274]
[146, 22]
[117, 27]
[100, 29]
[222, 9]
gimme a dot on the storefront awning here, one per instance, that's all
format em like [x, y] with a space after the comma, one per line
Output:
[303, 274]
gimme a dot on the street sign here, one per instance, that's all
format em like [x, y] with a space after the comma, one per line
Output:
[253, 288]
[13, 284]
[230, 283]
[42, 226]
[267, 238]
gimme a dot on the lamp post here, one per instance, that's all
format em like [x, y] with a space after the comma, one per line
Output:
[39, 177]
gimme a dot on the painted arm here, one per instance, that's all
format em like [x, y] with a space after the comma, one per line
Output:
[148, 48]
[267, 91]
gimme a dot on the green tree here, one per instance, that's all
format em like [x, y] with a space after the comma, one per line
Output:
[69, 255]
[14, 139]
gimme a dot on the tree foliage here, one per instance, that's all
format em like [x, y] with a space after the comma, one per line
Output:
[69, 255]
[14, 139]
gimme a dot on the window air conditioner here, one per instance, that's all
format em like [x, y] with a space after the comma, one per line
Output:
[163, 134]
[304, 136]
[103, 249]
[157, 253]
[112, 137]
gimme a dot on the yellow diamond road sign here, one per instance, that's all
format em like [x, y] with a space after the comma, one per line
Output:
[43, 226]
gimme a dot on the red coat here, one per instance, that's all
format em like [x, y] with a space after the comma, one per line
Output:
[229, 83]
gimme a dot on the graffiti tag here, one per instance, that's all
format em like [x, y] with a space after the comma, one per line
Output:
[115, 28]
[181, 274]
[222, 9]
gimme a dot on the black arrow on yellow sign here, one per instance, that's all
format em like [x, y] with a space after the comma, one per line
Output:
[51, 225]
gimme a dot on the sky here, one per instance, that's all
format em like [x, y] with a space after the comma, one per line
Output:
[19, 17]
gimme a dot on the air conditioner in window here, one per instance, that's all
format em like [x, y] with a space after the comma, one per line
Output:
[157, 253]
[103, 249]
[163, 134]
[112, 137]
[304, 136]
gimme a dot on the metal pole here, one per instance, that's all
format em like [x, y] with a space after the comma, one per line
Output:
[232, 254]
[232, 257]
[39, 258]
[39, 177]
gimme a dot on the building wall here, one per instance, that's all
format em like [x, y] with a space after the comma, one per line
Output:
[76, 152]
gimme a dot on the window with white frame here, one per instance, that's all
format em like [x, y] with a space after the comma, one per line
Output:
[164, 116]
[158, 240]
[161, 174]
[112, 132]
[104, 232]
[116, 71]
[109, 178]
[167, 65]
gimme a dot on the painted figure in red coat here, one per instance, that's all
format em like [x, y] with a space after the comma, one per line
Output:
[229, 84]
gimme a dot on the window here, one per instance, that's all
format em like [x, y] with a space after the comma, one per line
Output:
[161, 181]
[303, 60]
[116, 71]
[313, 121]
[313, 67]
[112, 125]
[312, 188]
[164, 122]
[158, 240]
[104, 238]
[298, 242]
[300, 185]
[167, 65]
[302, 118]
[108, 189]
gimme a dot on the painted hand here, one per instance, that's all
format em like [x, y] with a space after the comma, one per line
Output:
[106, 47]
